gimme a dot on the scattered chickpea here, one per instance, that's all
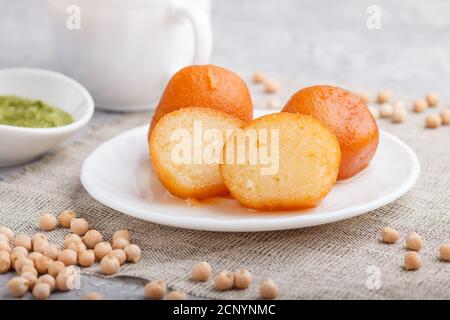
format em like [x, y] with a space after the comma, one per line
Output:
[399, 115]
[109, 265]
[433, 121]
[65, 218]
[52, 251]
[414, 241]
[399, 104]
[7, 232]
[48, 279]
[273, 103]
[79, 226]
[155, 289]
[125, 234]
[42, 264]
[176, 295]
[445, 116]
[224, 281]
[389, 235]
[21, 262]
[375, 112]
[5, 261]
[4, 238]
[242, 279]
[93, 296]
[120, 243]
[120, 255]
[259, 77]
[86, 258]
[18, 286]
[72, 238]
[133, 253]
[47, 222]
[364, 96]
[201, 271]
[14, 256]
[68, 256]
[41, 291]
[271, 86]
[20, 250]
[386, 110]
[268, 289]
[4, 246]
[67, 279]
[23, 240]
[412, 261]
[432, 99]
[444, 252]
[38, 236]
[40, 245]
[91, 238]
[55, 267]
[32, 279]
[420, 105]
[34, 256]
[77, 246]
[29, 269]
[101, 250]
[384, 96]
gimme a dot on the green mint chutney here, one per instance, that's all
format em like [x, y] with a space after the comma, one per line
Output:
[22, 112]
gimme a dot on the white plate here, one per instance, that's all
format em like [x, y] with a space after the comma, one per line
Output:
[118, 174]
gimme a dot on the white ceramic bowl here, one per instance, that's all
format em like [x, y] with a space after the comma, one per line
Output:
[18, 144]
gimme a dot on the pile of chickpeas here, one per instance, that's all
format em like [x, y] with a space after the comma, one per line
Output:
[414, 244]
[396, 111]
[224, 280]
[43, 267]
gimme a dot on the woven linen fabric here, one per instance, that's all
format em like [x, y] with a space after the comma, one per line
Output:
[339, 260]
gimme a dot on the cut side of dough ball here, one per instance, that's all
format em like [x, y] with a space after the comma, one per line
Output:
[185, 151]
[304, 173]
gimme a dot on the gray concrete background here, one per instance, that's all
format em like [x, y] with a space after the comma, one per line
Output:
[323, 41]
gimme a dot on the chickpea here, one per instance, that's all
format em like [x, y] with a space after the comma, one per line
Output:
[412, 261]
[40, 245]
[79, 226]
[48, 279]
[72, 238]
[55, 267]
[109, 265]
[445, 116]
[5, 261]
[433, 121]
[444, 252]
[176, 295]
[77, 247]
[93, 296]
[399, 115]
[68, 256]
[389, 235]
[420, 106]
[101, 250]
[271, 86]
[242, 279]
[201, 271]
[4, 246]
[21, 262]
[32, 279]
[133, 253]
[224, 280]
[120, 255]
[67, 279]
[268, 289]
[52, 251]
[384, 96]
[386, 110]
[273, 103]
[4, 238]
[18, 286]
[91, 238]
[125, 234]
[29, 269]
[20, 250]
[23, 240]
[38, 236]
[375, 112]
[120, 243]
[364, 96]
[34, 256]
[14, 256]
[414, 241]
[65, 218]
[432, 99]
[399, 104]
[42, 264]
[155, 289]
[259, 77]
[47, 222]
[7, 232]
[86, 258]
[41, 291]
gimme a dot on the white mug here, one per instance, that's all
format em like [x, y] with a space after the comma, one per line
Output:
[125, 51]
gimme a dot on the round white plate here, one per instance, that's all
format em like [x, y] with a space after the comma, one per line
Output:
[118, 174]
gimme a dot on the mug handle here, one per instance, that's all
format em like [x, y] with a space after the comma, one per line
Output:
[202, 32]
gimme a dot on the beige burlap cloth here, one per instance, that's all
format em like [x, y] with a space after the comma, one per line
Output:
[339, 260]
